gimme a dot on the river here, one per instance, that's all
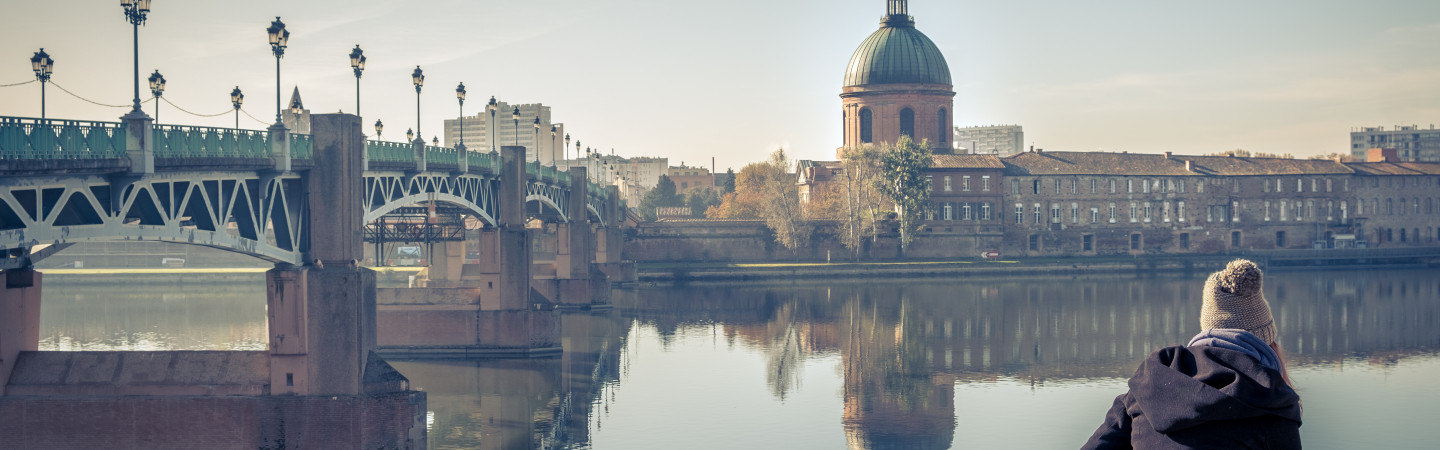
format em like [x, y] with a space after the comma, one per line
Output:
[936, 363]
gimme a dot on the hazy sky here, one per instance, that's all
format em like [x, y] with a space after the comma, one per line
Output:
[735, 79]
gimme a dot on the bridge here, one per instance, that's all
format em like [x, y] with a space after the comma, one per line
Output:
[303, 202]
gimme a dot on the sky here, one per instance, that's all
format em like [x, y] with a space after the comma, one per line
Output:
[733, 80]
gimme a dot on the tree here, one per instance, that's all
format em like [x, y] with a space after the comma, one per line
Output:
[861, 204]
[1340, 157]
[766, 190]
[661, 196]
[902, 178]
[701, 200]
[729, 181]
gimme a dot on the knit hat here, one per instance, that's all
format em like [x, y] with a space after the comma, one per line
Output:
[1233, 299]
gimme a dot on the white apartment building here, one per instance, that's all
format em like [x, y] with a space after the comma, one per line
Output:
[1411, 143]
[477, 131]
[1002, 140]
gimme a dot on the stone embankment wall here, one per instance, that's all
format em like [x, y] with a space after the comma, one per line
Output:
[734, 240]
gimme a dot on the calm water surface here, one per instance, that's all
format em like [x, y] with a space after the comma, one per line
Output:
[1003, 363]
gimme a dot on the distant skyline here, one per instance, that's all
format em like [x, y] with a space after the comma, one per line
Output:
[734, 80]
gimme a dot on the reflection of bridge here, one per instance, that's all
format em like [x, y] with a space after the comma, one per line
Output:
[299, 201]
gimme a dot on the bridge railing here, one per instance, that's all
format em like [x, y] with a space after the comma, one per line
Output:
[385, 151]
[28, 138]
[442, 155]
[179, 141]
[301, 147]
[479, 160]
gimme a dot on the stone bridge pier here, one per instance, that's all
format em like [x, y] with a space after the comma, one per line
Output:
[610, 240]
[476, 310]
[576, 284]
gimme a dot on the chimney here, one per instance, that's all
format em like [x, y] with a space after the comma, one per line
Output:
[1189, 167]
[1167, 155]
[1381, 155]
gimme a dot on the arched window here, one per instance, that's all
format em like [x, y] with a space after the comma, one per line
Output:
[866, 119]
[907, 122]
[944, 133]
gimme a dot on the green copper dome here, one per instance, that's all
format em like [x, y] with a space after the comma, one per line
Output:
[897, 53]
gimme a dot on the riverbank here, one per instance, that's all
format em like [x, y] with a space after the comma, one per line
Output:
[120, 276]
[679, 273]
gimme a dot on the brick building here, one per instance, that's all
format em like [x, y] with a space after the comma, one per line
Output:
[897, 83]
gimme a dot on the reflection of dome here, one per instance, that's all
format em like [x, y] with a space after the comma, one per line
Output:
[897, 53]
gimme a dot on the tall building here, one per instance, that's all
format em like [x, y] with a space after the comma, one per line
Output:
[1003, 140]
[897, 83]
[477, 131]
[1411, 143]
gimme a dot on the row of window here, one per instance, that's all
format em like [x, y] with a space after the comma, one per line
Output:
[965, 184]
[1165, 185]
[1087, 241]
[952, 211]
[1146, 212]
[907, 125]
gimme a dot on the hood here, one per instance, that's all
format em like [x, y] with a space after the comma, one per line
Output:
[1182, 387]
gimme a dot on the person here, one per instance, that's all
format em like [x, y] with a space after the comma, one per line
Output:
[1226, 389]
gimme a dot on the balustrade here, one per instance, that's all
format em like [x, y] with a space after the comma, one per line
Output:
[27, 138]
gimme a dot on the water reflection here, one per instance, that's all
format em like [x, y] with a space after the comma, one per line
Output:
[902, 353]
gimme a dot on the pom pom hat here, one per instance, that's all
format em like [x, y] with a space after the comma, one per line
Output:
[1233, 299]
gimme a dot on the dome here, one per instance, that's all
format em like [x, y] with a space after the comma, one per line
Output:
[897, 53]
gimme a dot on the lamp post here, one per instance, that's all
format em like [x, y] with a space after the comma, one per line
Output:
[460, 95]
[435, 141]
[536, 143]
[567, 150]
[157, 88]
[516, 116]
[418, 78]
[409, 135]
[43, 65]
[357, 62]
[135, 12]
[552, 148]
[492, 106]
[279, 39]
[236, 99]
[378, 128]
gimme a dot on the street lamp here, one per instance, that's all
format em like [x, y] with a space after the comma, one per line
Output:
[378, 128]
[236, 99]
[435, 141]
[135, 12]
[417, 77]
[567, 150]
[492, 106]
[536, 143]
[516, 116]
[157, 88]
[357, 62]
[409, 135]
[460, 95]
[43, 65]
[552, 147]
[279, 39]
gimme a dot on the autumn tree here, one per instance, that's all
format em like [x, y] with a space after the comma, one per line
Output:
[902, 179]
[767, 191]
[861, 205]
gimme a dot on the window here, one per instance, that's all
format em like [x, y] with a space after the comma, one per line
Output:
[1135, 241]
[985, 211]
[1199, 187]
[1034, 242]
[1015, 187]
[1074, 213]
[1329, 210]
[1346, 185]
[1280, 239]
[944, 128]
[947, 183]
[1402, 235]
[1112, 212]
[1112, 186]
[1309, 210]
[1129, 186]
[965, 211]
[1327, 185]
[965, 183]
[930, 183]
[1037, 186]
[1094, 185]
[1133, 217]
[1344, 212]
[1184, 241]
[1283, 210]
[1180, 211]
[1054, 213]
[907, 122]
[1036, 209]
[1235, 211]
[1148, 210]
[1165, 211]
[1235, 187]
[1087, 243]
[1235, 239]
[1267, 210]
[985, 183]
[1019, 213]
[1299, 185]
[866, 120]
[1074, 189]
[1182, 186]
[1057, 185]
[1094, 215]
[1145, 186]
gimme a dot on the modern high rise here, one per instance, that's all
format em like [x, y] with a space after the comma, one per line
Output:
[1003, 140]
[477, 131]
[1411, 143]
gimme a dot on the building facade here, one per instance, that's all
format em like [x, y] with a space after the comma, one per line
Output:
[509, 131]
[1410, 142]
[1002, 140]
[897, 83]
